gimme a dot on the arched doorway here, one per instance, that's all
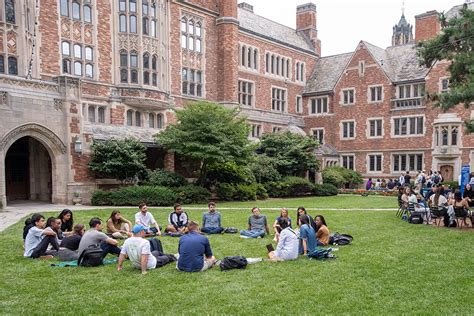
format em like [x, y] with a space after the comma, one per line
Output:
[28, 171]
[447, 172]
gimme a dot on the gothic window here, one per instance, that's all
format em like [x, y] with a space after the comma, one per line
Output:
[191, 27]
[159, 121]
[133, 64]
[89, 71]
[123, 67]
[198, 45]
[133, 5]
[122, 23]
[138, 118]
[146, 60]
[78, 68]
[2, 64]
[89, 54]
[154, 68]
[10, 11]
[76, 10]
[133, 24]
[444, 136]
[190, 35]
[101, 114]
[134, 76]
[184, 25]
[129, 117]
[153, 28]
[192, 82]
[66, 48]
[12, 66]
[144, 7]
[122, 5]
[66, 66]
[91, 114]
[64, 7]
[198, 29]
[151, 120]
[87, 14]
[123, 75]
[191, 43]
[77, 51]
[454, 136]
[145, 26]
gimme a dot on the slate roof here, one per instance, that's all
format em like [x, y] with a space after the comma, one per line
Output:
[274, 31]
[454, 11]
[326, 73]
[327, 150]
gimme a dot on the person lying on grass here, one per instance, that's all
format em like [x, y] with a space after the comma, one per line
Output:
[257, 225]
[138, 250]
[195, 254]
[287, 248]
[38, 239]
[177, 220]
[211, 221]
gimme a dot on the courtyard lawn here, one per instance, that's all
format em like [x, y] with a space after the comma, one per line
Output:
[392, 267]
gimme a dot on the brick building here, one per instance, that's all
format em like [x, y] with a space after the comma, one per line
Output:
[72, 71]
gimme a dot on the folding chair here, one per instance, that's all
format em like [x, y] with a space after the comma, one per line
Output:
[437, 213]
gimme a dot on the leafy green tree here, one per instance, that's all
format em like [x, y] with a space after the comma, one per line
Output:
[209, 133]
[263, 167]
[456, 44]
[292, 154]
[341, 177]
[121, 159]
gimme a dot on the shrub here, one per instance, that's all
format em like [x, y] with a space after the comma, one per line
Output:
[230, 172]
[264, 170]
[192, 194]
[324, 189]
[245, 192]
[341, 177]
[134, 195]
[241, 192]
[225, 191]
[261, 192]
[289, 186]
[165, 178]
[452, 184]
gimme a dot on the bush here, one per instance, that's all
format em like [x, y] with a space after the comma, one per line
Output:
[134, 195]
[289, 186]
[341, 177]
[165, 178]
[324, 189]
[241, 192]
[452, 184]
[264, 170]
[189, 194]
[225, 191]
[261, 192]
[229, 172]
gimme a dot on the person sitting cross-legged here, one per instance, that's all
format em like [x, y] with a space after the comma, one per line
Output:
[287, 248]
[307, 235]
[211, 221]
[194, 250]
[257, 225]
[145, 218]
[95, 236]
[138, 250]
[38, 239]
[177, 220]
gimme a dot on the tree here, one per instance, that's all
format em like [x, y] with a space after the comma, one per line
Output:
[209, 133]
[341, 177]
[456, 44]
[121, 159]
[292, 154]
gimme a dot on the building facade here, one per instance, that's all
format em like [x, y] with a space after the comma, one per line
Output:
[75, 71]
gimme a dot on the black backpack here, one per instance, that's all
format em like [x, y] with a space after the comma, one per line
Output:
[155, 245]
[340, 239]
[90, 257]
[231, 230]
[415, 218]
[234, 262]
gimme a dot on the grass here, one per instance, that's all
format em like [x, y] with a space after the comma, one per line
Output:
[391, 268]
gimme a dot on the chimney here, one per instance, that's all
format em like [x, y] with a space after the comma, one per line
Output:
[246, 6]
[427, 26]
[306, 24]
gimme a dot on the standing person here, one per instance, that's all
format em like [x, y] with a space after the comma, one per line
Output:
[287, 248]
[118, 226]
[194, 250]
[257, 225]
[145, 218]
[419, 180]
[368, 185]
[177, 220]
[276, 226]
[401, 180]
[407, 178]
[67, 221]
[138, 250]
[307, 235]
[38, 239]
[211, 221]
[322, 233]
[95, 236]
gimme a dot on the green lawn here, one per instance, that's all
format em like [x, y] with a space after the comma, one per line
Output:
[391, 268]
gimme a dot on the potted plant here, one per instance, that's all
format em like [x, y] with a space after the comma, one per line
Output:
[77, 200]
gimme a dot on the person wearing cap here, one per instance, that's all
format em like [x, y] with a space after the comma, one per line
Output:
[194, 250]
[177, 220]
[138, 250]
[146, 219]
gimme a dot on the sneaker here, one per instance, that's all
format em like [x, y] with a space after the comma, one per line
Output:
[245, 237]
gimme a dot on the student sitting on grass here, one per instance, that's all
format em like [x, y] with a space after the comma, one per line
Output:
[38, 239]
[257, 225]
[95, 236]
[302, 211]
[67, 221]
[211, 221]
[307, 235]
[287, 248]
[70, 244]
[322, 233]
[194, 250]
[276, 227]
[28, 224]
[118, 226]
[177, 220]
[138, 250]
[145, 218]
[54, 224]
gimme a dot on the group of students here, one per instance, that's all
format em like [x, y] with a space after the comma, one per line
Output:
[59, 237]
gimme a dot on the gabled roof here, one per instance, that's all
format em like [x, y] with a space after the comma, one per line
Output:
[326, 73]
[274, 31]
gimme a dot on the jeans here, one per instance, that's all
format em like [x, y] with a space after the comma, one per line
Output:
[108, 248]
[212, 230]
[253, 233]
[42, 248]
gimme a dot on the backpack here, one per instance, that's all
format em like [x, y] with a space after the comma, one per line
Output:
[90, 257]
[340, 239]
[320, 253]
[231, 230]
[234, 262]
[155, 245]
[415, 218]
[436, 179]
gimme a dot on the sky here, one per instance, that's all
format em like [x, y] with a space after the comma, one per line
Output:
[342, 24]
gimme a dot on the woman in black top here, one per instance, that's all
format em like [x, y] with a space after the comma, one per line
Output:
[469, 194]
[67, 221]
[72, 242]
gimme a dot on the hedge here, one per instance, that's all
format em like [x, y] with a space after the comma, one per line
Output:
[134, 195]
[189, 194]
[241, 192]
[325, 189]
[165, 178]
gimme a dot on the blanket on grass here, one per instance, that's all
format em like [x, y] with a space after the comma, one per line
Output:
[74, 263]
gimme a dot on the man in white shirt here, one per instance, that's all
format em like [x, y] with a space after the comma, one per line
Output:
[146, 219]
[138, 250]
[38, 239]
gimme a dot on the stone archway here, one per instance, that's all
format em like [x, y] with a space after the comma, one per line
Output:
[56, 149]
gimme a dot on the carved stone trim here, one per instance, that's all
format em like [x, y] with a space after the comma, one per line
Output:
[43, 134]
[3, 98]
[58, 104]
